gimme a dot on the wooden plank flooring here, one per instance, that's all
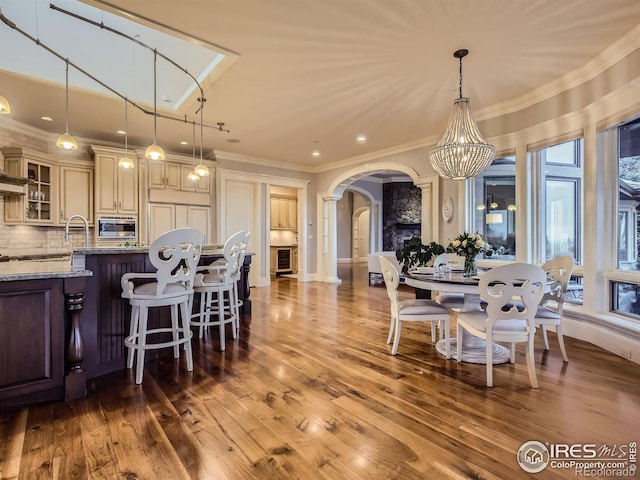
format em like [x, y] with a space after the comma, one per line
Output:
[310, 391]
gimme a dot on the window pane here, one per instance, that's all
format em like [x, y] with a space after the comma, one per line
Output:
[625, 299]
[561, 154]
[574, 290]
[560, 218]
[495, 207]
[628, 194]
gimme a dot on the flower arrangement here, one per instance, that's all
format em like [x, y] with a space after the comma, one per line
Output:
[468, 245]
[415, 254]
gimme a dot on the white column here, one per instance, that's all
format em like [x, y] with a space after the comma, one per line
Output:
[429, 215]
[330, 240]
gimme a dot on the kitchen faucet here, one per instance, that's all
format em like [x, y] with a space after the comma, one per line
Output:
[86, 228]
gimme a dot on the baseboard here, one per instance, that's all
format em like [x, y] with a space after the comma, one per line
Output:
[613, 341]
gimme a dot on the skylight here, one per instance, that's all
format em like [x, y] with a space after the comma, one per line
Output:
[118, 62]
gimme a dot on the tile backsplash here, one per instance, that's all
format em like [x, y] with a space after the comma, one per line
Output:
[283, 237]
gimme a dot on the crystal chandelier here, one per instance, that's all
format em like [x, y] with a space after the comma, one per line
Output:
[462, 152]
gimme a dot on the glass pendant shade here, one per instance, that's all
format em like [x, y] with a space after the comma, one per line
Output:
[201, 170]
[67, 142]
[126, 162]
[193, 176]
[462, 152]
[154, 152]
[5, 106]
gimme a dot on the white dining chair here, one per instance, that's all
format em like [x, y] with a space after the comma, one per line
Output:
[419, 310]
[449, 299]
[216, 285]
[504, 320]
[549, 312]
[175, 255]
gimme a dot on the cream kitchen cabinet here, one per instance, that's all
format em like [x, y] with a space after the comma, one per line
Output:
[116, 189]
[167, 216]
[164, 174]
[76, 193]
[284, 213]
[38, 205]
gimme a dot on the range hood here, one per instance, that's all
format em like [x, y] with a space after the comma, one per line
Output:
[10, 185]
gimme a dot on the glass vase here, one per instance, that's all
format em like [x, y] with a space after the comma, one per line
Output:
[470, 269]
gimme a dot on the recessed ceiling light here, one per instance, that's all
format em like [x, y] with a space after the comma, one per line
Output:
[233, 140]
[121, 132]
[361, 139]
[184, 143]
[315, 153]
[46, 119]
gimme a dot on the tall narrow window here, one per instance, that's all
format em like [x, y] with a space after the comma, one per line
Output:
[561, 167]
[495, 207]
[628, 194]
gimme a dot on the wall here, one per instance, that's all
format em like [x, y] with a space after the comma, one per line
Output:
[24, 239]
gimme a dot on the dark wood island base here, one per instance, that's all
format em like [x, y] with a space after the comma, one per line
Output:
[63, 327]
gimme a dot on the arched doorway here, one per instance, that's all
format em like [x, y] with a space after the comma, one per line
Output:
[327, 239]
[360, 235]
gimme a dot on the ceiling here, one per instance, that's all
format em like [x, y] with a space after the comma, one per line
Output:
[305, 75]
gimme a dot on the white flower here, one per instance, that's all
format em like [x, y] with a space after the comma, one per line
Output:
[464, 242]
[456, 243]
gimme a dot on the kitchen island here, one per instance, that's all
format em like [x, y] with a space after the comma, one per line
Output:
[64, 322]
[106, 315]
[41, 348]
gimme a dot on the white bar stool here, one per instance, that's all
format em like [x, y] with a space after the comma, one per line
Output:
[175, 254]
[217, 286]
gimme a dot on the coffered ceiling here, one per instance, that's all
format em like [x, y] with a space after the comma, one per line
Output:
[305, 75]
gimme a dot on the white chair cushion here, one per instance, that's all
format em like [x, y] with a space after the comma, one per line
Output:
[151, 288]
[477, 320]
[213, 278]
[547, 314]
[421, 307]
[451, 299]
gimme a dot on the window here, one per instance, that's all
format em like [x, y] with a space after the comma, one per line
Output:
[561, 175]
[628, 194]
[495, 207]
[625, 299]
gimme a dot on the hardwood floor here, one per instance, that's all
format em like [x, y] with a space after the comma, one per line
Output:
[310, 391]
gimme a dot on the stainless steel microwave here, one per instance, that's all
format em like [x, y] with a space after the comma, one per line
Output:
[117, 228]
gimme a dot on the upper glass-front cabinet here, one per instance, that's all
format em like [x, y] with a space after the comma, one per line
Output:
[39, 192]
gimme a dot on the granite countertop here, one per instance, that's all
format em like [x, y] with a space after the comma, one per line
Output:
[38, 270]
[207, 249]
[36, 257]
[280, 245]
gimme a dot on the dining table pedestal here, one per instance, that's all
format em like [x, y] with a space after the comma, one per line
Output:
[473, 348]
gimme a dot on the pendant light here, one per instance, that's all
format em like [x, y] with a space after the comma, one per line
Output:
[65, 140]
[192, 175]
[126, 161]
[5, 106]
[462, 152]
[154, 151]
[201, 169]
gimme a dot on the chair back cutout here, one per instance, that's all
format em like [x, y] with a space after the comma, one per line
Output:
[513, 292]
[558, 271]
[175, 255]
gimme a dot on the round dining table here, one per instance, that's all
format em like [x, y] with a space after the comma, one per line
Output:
[473, 348]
